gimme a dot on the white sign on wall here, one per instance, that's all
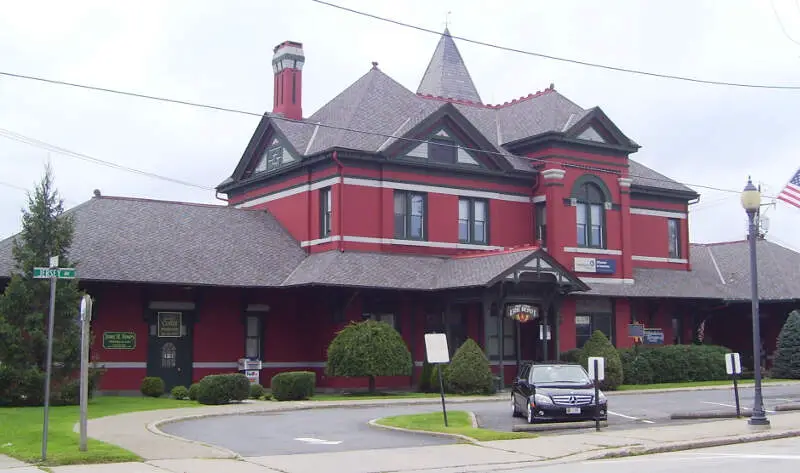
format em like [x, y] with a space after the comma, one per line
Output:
[585, 265]
[733, 363]
[436, 348]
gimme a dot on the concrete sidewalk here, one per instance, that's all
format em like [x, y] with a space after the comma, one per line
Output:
[471, 457]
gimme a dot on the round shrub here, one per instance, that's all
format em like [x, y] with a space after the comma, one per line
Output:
[638, 371]
[213, 390]
[571, 356]
[193, 390]
[293, 385]
[599, 345]
[469, 371]
[180, 393]
[239, 386]
[152, 386]
[257, 391]
[787, 353]
[368, 349]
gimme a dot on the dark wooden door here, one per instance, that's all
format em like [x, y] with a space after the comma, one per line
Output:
[169, 354]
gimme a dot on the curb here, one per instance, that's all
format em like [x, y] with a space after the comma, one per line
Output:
[709, 415]
[787, 407]
[681, 446]
[696, 388]
[374, 423]
[590, 424]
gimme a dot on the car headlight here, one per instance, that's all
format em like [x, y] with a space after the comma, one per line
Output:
[601, 397]
[541, 399]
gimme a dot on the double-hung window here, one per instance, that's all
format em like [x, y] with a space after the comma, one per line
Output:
[325, 212]
[590, 213]
[540, 220]
[473, 216]
[674, 232]
[409, 215]
[252, 344]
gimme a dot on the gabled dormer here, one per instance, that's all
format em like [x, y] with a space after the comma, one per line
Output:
[273, 156]
[447, 138]
[595, 127]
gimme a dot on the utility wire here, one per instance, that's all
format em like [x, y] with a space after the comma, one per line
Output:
[780, 23]
[556, 58]
[63, 151]
[302, 122]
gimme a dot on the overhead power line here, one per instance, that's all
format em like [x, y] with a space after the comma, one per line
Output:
[10, 135]
[562, 59]
[63, 151]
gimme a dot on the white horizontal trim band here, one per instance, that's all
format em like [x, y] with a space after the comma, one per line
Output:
[356, 181]
[657, 213]
[430, 244]
[212, 364]
[539, 199]
[287, 193]
[320, 241]
[608, 280]
[592, 251]
[120, 364]
[658, 259]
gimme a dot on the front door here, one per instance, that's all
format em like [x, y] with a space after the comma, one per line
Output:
[169, 354]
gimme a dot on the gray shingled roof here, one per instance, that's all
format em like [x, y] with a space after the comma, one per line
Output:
[645, 177]
[447, 75]
[135, 240]
[719, 271]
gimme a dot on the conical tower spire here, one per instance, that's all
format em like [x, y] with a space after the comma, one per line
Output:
[447, 75]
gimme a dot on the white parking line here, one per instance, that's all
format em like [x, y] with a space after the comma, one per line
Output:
[318, 441]
[734, 407]
[631, 418]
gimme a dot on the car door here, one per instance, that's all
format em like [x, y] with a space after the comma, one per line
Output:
[520, 389]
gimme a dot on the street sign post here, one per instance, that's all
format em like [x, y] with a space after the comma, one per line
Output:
[438, 354]
[53, 273]
[733, 366]
[597, 371]
[86, 318]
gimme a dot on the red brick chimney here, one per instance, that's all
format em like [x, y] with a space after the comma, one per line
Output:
[287, 64]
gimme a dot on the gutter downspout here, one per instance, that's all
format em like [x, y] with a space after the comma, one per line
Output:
[335, 157]
[308, 200]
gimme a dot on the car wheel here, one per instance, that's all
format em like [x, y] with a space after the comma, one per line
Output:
[514, 409]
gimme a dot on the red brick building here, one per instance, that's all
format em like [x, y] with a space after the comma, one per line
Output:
[429, 210]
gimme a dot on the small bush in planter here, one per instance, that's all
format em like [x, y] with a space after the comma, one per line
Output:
[152, 386]
[293, 385]
[180, 393]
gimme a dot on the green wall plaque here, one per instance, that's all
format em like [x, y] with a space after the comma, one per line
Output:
[119, 340]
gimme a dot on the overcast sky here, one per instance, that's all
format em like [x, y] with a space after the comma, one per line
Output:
[218, 52]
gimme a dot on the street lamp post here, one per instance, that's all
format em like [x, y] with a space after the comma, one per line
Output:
[751, 201]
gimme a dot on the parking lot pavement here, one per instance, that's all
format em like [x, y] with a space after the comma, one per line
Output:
[344, 429]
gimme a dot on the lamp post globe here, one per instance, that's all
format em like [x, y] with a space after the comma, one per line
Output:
[751, 202]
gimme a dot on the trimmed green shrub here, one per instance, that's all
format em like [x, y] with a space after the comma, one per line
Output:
[469, 371]
[152, 386]
[368, 349]
[239, 386]
[599, 345]
[638, 371]
[685, 363]
[213, 390]
[180, 393]
[293, 385]
[257, 391]
[424, 384]
[786, 364]
[571, 356]
[193, 390]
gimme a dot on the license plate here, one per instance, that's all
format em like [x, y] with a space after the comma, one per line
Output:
[573, 410]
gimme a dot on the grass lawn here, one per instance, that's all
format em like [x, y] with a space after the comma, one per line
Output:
[21, 430]
[726, 382]
[459, 423]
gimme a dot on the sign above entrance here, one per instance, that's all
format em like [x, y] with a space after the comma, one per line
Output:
[119, 340]
[595, 265]
[169, 324]
[522, 312]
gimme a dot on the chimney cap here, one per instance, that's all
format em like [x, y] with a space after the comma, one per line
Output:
[293, 44]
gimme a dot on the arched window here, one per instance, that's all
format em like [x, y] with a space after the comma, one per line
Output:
[590, 216]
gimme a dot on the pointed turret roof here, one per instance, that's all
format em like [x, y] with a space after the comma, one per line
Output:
[447, 75]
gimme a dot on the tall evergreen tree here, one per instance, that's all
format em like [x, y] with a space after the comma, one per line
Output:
[24, 306]
[787, 353]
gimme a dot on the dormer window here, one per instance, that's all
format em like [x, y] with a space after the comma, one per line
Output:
[442, 150]
[271, 159]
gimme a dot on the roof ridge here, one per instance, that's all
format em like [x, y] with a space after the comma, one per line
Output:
[161, 201]
[506, 104]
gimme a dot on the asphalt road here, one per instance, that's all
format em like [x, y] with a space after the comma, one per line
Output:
[773, 456]
[342, 429]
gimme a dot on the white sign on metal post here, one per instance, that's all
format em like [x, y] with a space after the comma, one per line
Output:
[601, 367]
[733, 363]
[54, 261]
[436, 348]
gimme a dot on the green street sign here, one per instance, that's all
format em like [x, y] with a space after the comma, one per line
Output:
[119, 340]
[60, 273]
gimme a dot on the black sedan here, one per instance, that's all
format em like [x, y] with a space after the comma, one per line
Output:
[556, 392]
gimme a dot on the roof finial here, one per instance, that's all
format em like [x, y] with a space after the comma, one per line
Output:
[447, 22]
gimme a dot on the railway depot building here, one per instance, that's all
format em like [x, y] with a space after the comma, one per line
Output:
[524, 226]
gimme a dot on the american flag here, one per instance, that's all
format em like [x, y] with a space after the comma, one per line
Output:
[791, 193]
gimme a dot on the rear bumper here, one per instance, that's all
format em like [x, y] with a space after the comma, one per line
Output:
[554, 413]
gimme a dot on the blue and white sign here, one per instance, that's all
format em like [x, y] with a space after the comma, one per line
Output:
[606, 266]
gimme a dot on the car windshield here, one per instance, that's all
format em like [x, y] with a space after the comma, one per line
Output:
[559, 374]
